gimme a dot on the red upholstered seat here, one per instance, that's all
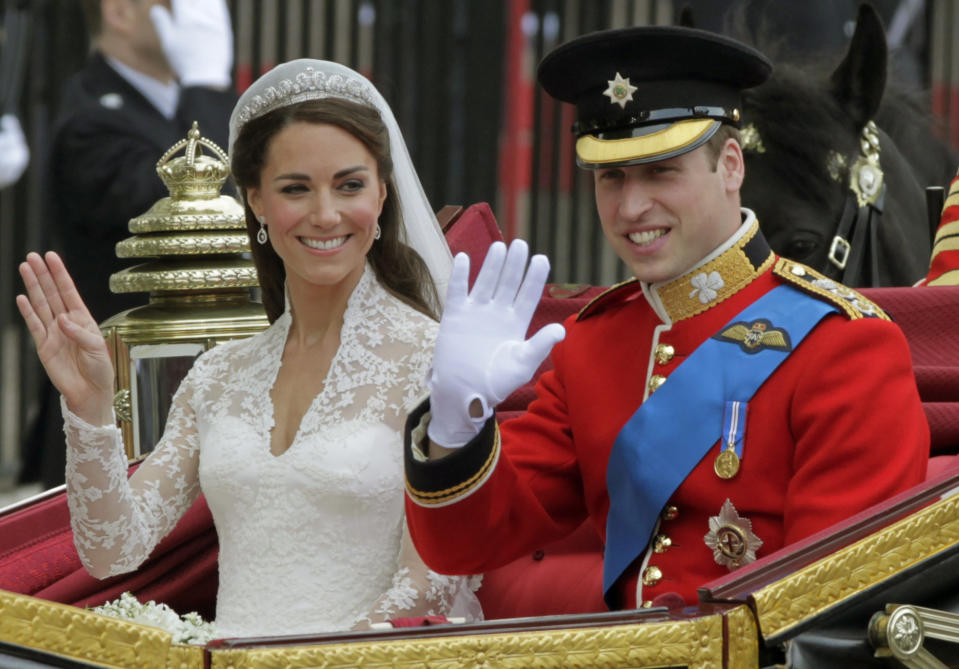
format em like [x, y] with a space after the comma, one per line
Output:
[37, 556]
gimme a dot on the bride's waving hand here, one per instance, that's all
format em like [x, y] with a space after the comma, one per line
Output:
[67, 338]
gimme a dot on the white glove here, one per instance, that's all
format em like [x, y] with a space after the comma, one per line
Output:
[481, 351]
[14, 152]
[197, 40]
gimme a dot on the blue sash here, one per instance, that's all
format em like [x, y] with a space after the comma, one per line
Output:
[663, 441]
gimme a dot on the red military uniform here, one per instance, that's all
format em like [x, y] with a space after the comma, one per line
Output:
[836, 428]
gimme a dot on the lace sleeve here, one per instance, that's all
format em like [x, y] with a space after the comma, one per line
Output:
[417, 590]
[117, 522]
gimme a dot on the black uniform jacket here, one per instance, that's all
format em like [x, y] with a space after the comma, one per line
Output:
[107, 141]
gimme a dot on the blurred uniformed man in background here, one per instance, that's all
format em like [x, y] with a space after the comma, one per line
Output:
[154, 69]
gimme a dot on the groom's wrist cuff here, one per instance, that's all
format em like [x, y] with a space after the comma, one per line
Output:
[444, 481]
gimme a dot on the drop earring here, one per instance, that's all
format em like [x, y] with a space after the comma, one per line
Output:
[262, 235]
[378, 233]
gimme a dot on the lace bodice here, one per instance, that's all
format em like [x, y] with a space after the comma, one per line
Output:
[311, 540]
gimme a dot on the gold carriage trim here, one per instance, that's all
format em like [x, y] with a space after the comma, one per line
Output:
[696, 643]
[78, 634]
[742, 638]
[460, 490]
[852, 303]
[823, 584]
[676, 137]
[681, 298]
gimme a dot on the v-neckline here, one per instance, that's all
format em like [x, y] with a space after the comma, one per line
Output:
[345, 335]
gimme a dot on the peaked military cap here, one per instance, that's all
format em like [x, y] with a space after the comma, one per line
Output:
[649, 93]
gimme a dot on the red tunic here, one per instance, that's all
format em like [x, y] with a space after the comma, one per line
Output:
[836, 428]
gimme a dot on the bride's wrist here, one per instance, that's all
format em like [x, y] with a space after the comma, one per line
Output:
[95, 411]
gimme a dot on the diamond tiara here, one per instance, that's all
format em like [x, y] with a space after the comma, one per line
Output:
[310, 84]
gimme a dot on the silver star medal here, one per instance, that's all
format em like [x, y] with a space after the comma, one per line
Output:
[620, 91]
[731, 538]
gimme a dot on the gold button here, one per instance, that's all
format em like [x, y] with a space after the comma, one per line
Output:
[655, 381]
[652, 575]
[664, 353]
[670, 513]
[661, 543]
[647, 604]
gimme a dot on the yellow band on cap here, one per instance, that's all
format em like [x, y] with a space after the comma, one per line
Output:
[668, 141]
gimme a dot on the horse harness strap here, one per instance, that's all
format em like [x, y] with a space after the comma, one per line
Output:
[855, 241]
[856, 235]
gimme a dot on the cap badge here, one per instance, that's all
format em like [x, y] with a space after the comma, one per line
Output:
[731, 538]
[620, 91]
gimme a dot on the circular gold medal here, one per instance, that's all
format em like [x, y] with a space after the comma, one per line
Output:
[726, 464]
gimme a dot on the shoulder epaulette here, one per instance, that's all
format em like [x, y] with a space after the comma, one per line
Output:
[852, 303]
[604, 299]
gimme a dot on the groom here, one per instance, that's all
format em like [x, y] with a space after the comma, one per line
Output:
[722, 404]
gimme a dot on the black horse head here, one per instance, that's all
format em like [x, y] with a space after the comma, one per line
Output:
[808, 135]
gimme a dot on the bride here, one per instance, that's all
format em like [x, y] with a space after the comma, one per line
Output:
[293, 435]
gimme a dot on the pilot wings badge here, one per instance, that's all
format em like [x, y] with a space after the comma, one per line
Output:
[756, 336]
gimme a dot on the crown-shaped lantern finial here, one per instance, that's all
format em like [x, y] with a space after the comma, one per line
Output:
[196, 235]
[194, 174]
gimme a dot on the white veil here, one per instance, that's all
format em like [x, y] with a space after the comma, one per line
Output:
[310, 79]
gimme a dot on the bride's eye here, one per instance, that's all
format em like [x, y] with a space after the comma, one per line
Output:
[353, 185]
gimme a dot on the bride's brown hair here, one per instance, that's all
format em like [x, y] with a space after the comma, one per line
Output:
[398, 267]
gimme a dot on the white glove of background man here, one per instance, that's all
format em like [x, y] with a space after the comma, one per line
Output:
[14, 152]
[481, 350]
[197, 39]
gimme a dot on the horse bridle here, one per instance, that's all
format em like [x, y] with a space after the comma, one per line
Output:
[855, 239]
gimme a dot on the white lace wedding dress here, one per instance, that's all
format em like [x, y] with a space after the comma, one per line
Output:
[312, 540]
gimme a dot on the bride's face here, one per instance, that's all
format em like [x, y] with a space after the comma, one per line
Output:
[321, 194]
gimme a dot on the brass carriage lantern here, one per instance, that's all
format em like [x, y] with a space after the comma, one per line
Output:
[200, 279]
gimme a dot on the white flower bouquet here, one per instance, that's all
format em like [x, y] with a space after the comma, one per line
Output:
[190, 628]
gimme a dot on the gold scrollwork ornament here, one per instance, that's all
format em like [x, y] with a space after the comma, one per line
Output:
[122, 406]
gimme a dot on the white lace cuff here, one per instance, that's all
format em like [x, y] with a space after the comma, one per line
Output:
[87, 442]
